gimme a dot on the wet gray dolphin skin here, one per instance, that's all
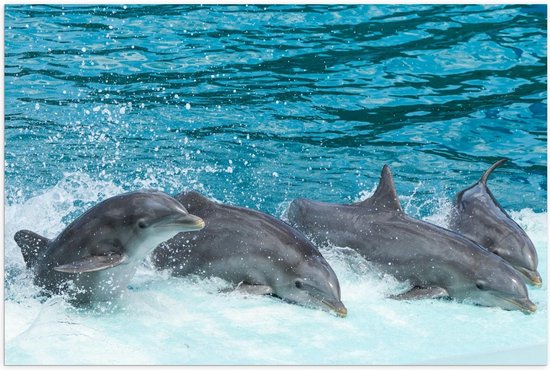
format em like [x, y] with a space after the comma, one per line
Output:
[478, 216]
[436, 261]
[253, 250]
[96, 255]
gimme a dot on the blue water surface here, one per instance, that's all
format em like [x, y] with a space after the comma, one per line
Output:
[255, 106]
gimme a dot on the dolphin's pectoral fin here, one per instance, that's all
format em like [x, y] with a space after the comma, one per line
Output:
[254, 289]
[422, 293]
[93, 263]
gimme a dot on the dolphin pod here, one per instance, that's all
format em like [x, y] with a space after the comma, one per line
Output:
[484, 262]
[437, 262]
[478, 216]
[96, 255]
[254, 250]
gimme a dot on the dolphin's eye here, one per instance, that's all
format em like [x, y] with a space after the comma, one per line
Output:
[480, 285]
[142, 224]
[299, 284]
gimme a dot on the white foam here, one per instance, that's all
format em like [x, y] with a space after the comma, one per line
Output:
[168, 320]
[45, 212]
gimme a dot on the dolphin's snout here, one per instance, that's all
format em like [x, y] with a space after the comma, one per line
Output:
[194, 222]
[526, 306]
[188, 221]
[342, 311]
[530, 308]
[338, 307]
[532, 277]
[536, 280]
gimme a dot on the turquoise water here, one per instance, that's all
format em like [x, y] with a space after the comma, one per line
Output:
[256, 106]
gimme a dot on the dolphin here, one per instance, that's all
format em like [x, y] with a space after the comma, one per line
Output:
[437, 262]
[96, 255]
[255, 251]
[478, 216]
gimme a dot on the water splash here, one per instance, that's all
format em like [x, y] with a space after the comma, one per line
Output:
[169, 320]
[258, 105]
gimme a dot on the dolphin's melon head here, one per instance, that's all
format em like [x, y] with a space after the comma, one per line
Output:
[496, 284]
[516, 248]
[312, 283]
[146, 218]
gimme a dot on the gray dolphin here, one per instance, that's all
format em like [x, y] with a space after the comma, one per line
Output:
[255, 251]
[96, 255]
[478, 216]
[438, 262]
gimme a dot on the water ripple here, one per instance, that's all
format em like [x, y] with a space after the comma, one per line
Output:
[439, 91]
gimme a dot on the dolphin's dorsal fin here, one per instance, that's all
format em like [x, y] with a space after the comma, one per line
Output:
[192, 199]
[483, 179]
[385, 197]
[32, 245]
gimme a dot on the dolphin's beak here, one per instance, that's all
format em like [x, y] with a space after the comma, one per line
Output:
[188, 222]
[532, 277]
[537, 281]
[337, 307]
[524, 305]
[342, 311]
[529, 307]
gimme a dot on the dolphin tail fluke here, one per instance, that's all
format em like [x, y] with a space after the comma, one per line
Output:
[31, 245]
[385, 197]
[485, 176]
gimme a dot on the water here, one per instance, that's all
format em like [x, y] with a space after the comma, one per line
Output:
[256, 106]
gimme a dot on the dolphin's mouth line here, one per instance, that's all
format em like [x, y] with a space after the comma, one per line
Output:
[339, 311]
[192, 226]
[531, 275]
[526, 309]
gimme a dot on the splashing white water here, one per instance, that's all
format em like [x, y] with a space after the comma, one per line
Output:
[167, 320]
